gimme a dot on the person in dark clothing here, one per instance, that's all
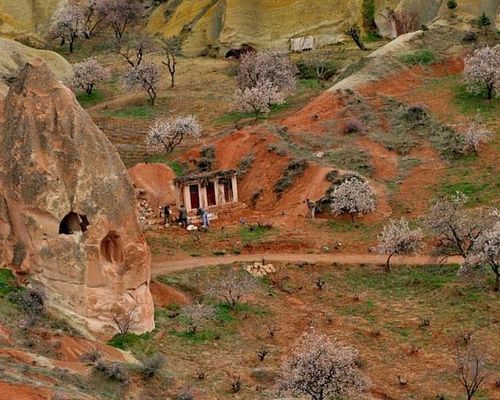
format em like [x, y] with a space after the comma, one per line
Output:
[167, 214]
[183, 216]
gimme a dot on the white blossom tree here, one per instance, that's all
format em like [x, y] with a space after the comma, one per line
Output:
[398, 238]
[233, 286]
[482, 71]
[167, 134]
[196, 316]
[258, 99]
[67, 24]
[455, 226]
[91, 19]
[273, 66]
[475, 135]
[146, 76]
[88, 73]
[486, 252]
[118, 14]
[322, 369]
[353, 197]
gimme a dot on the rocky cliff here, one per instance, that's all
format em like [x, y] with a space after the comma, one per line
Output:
[67, 209]
[28, 19]
[14, 57]
[221, 24]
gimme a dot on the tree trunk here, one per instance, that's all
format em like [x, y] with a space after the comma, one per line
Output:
[172, 80]
[489, 96]
[71, 46]
[388, 263]
[497, 281]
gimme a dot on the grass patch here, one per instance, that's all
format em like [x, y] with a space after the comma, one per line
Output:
[136, 112]
[478, 193]
[364, 232]
[363, 309]
[419, 57]
[224, 314]
[7, 282]
[86, 100]
[235, 116]
[406, 281]
[254, 234]
[471, 104]
[352, 159]
[371, 37]
[131, 341]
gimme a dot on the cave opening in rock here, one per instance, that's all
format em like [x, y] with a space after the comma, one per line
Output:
[112, 248]
[73, 223]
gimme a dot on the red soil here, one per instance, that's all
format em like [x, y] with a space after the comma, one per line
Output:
[156, 180]
[69, 349]
[164, 295]
[384, 161]
[10, 391]
[416, 189]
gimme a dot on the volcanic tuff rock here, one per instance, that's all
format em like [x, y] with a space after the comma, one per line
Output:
[67, 208]
[28, 19]
[223, 24]
[14, 57]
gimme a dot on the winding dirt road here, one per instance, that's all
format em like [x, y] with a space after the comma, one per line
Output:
[160, 267]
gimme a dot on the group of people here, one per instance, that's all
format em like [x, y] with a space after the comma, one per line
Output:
[182, 218]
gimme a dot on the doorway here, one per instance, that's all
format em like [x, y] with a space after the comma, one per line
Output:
[211, 198]
[228, 191]
[194, 193]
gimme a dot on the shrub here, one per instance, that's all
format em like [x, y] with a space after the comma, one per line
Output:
[469, 37]
[352, 159]
[152, 365]
[245, 164]
[91, 356]
[114, 371]
[295, 168]
[207, 159]
[416, 113]
[185, 394]
[32, 303]
[353, 126]
[317, 68]
[233, 286]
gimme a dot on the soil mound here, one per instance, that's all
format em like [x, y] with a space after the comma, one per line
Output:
[157, 182]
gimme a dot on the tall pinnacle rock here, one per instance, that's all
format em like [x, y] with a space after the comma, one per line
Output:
[67, 208]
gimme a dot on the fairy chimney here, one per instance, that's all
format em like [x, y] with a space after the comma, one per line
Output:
[67, 209]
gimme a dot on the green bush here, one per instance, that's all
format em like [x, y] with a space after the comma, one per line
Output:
[419, 57]
[7, 282]
[295, 168]
[352, 159]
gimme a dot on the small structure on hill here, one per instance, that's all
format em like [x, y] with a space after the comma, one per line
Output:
[207, 189]
[303, 43]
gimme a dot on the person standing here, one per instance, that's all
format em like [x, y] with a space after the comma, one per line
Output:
[311, 205]
[183, 216]
[167, 214]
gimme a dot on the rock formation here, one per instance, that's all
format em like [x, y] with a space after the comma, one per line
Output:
[14, 57]
[67, 209]
[26, 19]
[201, 26]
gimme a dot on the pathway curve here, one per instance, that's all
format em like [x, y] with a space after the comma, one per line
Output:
[165, 267]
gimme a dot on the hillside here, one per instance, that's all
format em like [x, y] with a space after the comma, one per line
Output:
[100, 299]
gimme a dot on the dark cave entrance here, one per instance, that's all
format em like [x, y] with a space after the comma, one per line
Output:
[73, 223]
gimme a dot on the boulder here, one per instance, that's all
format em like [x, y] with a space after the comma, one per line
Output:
[156, 182]
[14, 57]
[68, 210]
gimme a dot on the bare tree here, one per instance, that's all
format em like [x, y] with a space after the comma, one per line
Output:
[471, 371]
[124, 318]
[482, 71]
[272, 66]
[171, 64]
[88, 73]
[258, 99]
[118, 14]
[166, 134]
[233, 286]
[91, 18]
[196, 316]
[321, 369]
[146, 77]
[354, 33]
[397, 238]
[135, 48]
[67, 24]
[353, 197]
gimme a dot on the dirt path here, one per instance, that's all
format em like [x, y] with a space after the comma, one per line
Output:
[160, 267]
